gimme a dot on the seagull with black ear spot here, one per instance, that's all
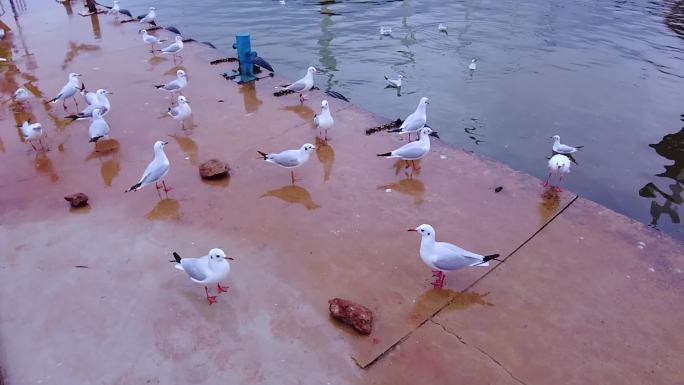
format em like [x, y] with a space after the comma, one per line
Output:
[207, 270]
[290, 158]
[443, 256]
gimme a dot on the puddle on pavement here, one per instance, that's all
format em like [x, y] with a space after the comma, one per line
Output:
[293, 194]
[249, 97]
[549, 204]
[188, 146]
[326, 155]
[408, 186]
[304, 112]
[166, 208]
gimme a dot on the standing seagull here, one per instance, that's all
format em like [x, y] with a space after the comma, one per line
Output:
[99, 101]
[115, 9]
[211, 268]
[558, 164]
[68, 91]
[174, 48]
[151, 39]
[302, 85]
[412, 151]
[560, 148]
[473, 65]
[396, 83]
[443, 256]
[176, 85]
[182, 111]
[149, 18]
[20, 96]
[98, 128]
[416, 120]
[290, 158]
[32, 132]
[324, 121]
[155, 171]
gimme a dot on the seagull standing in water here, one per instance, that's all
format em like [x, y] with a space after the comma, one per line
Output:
[149, 18]
[155, 171]
[558, 164]
[150, 39]
[182, 111]
[560, 148]
[173, 48]
[68, 91]
[416, 120]
[33, 131]
[324, 120]
[396, 83]
[98, 127]
[302, 85]
[290, 158]
[443, 256]
[413, 151]
[176, 85]
[207, 270]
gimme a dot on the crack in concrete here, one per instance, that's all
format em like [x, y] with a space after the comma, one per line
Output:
[494, 360]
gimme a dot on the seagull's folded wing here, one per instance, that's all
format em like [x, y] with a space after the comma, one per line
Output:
[196, 268]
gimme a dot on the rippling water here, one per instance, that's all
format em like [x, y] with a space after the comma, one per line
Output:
[608, 75]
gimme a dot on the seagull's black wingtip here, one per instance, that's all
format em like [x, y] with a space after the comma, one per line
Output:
[176, 257]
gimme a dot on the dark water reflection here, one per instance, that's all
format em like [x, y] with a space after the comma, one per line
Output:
[603, 73]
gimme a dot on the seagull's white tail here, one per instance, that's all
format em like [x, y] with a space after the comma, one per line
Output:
[179, 267]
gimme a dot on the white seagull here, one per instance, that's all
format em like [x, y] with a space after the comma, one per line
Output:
[302, 85]
[149, 18]
[210, 269]
[155, 171]
[68, 91]
[443, 256]
[558, 164]
[416, 120]
[396, 83]
[385, 31]
[182, 111]
[176, 85]
[290, 158]
[21, 96]
[442, 27]
[173, 48]
[98, 127]
[151, 39]
[114, 10]
[413, 151]
[31, 132]
[473, 65]
[99, 101]
[324, 121]
[560, 148]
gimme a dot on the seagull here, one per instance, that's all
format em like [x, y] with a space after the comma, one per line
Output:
[32, 132]
[560, 148]
[558, 164]
[149, 18]
[324, 121]
[100, 101]
[89, 96]
[173, 48]
[2, 33]
[98, 128]
[211, 268]
[396, 83]
[473, 65]
[290, 158]
[182, 111]
[114, 10]
[155, 171]
[151, 39]
[443, 256]
[385, 31]
[175, 85]
[302, 85]
[416, 120]
[20, 96]
[413, 151]
[442, 27]
[68, 91]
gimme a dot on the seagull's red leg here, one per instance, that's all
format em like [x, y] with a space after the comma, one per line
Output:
[166, 189]
[210, 298]
[547, 180]
[407, 164]
[221, 289]
[559, 182]
[64, 105]
[292, 174]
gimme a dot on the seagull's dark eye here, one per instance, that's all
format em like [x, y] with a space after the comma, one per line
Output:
[422, 231]
[428, 233]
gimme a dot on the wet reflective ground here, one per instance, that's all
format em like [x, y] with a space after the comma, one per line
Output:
[604, 74]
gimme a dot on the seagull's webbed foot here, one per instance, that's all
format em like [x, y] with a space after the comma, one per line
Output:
[221, 289]
[210, 298]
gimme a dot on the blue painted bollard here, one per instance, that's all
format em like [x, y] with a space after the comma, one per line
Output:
[246, 57]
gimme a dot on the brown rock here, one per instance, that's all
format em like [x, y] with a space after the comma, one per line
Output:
[77, 200]
[357, 316]
[214, 169]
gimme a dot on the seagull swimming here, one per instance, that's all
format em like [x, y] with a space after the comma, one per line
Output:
[100, 101]
[558, 164]
[412, 151]
[473, 65]
[396, 83]
[175, 85]
[173, 48]
[98, 127]
[416, 120]
[302, 85]
[151, 39]
[211, 268]
[31, 132]
[443, 256]
[442, 27]
[155, 171]
[149, 18]
[324, 120]
[560, 148]
[290, 158]
[385, 31]
[68, 91]
[182, 111]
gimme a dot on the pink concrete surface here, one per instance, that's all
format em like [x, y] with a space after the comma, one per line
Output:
[129, 317]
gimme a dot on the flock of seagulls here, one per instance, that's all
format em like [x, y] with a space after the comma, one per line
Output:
[214, 267]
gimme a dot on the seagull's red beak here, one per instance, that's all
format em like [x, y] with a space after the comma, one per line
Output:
[231, 258]
[412, 230]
